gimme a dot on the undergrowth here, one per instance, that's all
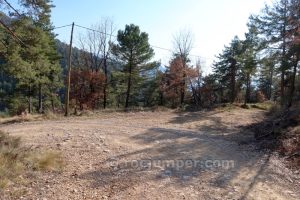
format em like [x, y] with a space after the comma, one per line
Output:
[16, 160]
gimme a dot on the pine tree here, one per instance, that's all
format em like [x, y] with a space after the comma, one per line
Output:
[248, 60]
[293, 45]
[227, 69]
[149, 90]
[273, 27]
[266, 76]
[35, 65]
[47, 57]
[133, 51]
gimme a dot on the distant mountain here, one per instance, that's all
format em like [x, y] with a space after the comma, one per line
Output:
[63, 50]
[4, 18]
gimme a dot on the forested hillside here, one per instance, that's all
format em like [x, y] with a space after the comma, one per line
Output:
[109, 72]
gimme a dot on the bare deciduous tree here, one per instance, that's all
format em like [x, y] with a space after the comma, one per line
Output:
[107, 28]
[183, 43]
[195, 79]
[90, 45]
[96, 49]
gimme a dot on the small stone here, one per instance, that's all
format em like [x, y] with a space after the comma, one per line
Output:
[167, 173]
[290, 192]
[75, 191]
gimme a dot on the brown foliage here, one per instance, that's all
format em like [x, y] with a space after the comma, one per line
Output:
[171, 84]
[86, 88]
[177, 79]
[280, 132]
[260, 97]
[208, 97]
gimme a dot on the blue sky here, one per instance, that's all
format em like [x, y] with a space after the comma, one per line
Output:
[213, 22]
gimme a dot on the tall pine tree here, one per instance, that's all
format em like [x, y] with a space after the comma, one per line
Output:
[34, 65]
[133, 51]
[227, 70]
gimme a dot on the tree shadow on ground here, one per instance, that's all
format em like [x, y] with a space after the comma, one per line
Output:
[206, 151]
[186, 117]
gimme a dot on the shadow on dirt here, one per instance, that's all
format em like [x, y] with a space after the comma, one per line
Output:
[204, 152]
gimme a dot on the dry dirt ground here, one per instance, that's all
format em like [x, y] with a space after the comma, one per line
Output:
[129, 156]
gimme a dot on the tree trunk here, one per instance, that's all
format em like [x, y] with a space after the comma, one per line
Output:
[182, 90]
[221, 95]
[283, 59]
[233, 83]
[52, 105]
[248, 85]
[194, 94]
[271, 82]
[161, 97]
[76, 107]
[199, 91]
[29, 101]
[40, 99]
[29, 104]
[118, 101]
[182, 93]
[128, 87]
[293, 85]
[282, 87]
[105, 84]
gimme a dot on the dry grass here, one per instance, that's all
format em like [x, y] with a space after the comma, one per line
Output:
[48, 115]
[268, 105]
[245, 106]
[46, 161]
[51, 115]
[11, 165]
[20, 119]
[228, 107]
[16, 161]
[4, 115]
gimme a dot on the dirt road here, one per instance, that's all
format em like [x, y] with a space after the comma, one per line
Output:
[129, 156]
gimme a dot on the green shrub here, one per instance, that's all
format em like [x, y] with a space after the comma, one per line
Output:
[17, 105]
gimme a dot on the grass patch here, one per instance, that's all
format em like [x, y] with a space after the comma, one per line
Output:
[46, 161]
[226, 107]
[245, 106]
[16, 161]
[4, 114]
[49, 115]
[20, 119]
[264, 106]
